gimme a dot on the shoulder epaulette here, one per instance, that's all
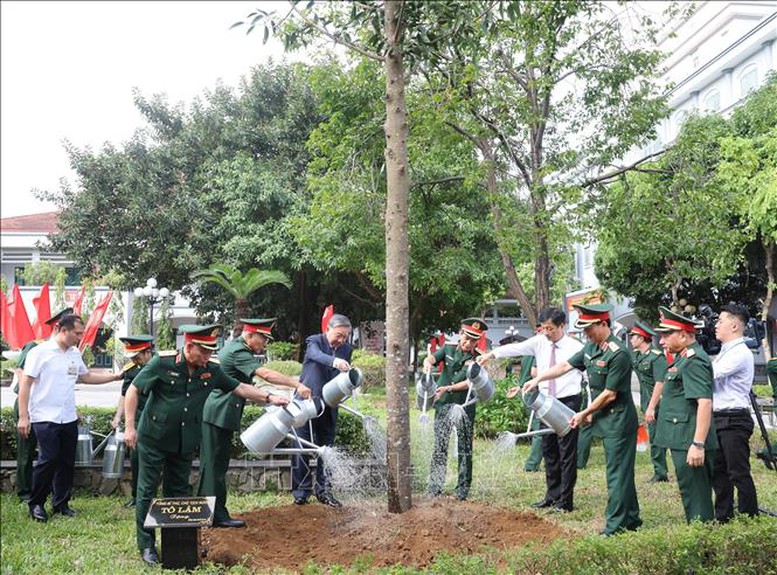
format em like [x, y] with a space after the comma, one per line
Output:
[167, 353]
[614, 347]
[656, 351]
[689, 352]
[214, 360]
[128, 366]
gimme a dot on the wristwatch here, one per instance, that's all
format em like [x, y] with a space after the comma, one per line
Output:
[699, 444]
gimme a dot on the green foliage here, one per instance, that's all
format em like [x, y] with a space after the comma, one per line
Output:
[286, 367]
[373, 367]
[41, 272]
[165, 339]
[140, 316]
[500, 413]
[6, 368]
[282, 350]
[693, 212]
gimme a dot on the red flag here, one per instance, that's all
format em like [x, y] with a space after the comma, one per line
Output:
[79, 301]
[20, 331]
[90, 331]
[43, 310]
[329, 311]
[5, 316]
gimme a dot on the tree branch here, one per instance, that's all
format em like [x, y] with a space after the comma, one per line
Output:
[439, 181]
[337, 39]
[605, 177]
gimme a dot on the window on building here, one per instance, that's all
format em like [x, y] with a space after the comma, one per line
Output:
[748, 80]
[712, 101]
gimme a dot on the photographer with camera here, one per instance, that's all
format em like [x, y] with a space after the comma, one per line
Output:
[733, 370]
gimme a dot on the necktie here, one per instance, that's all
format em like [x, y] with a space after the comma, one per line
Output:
[552, 382]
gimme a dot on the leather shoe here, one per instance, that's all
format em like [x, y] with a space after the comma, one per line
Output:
[65, 511]
[149, 556]
[130, 502]
[329, 499]
[230, 523]
[38, 513]
[658, 479]
[544, 503]
[300, 501]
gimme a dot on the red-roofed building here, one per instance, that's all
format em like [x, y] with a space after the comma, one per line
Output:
[22, 242]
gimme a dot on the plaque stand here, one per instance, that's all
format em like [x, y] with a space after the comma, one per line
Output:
[179, 520]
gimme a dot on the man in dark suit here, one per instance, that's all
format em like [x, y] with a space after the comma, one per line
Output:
[326, 355]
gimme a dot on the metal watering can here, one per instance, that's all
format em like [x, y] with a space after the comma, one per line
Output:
[425, 388]
[269, 430]
[84, 453]
[113, 456]
[550, 410]
[341, 386]
[480, 382]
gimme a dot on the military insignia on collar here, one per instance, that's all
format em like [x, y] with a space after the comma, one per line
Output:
[205, 375]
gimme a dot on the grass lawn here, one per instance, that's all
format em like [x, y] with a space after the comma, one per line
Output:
[101, 539]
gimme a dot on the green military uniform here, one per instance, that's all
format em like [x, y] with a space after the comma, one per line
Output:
[688, 378]
[25, 446]
[454, 371]
[171, 424]
[132, 346]
[650, 368]
[535, 454]
[609, 367]
[585, 436]
[221, 419]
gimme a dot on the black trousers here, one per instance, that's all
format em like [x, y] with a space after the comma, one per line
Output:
[56, 463]
[324, 428]
[560, 454]
[731, 466]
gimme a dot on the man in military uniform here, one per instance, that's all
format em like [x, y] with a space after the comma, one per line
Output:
[452, 390]
[223, 411]
[25, 446]
[326, 356]
[684, 423]
[139, 349]
[650, 367]
[611, 412]
[177, 385]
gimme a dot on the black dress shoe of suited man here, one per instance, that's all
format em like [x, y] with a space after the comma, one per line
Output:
[38, 513]
[544, 503]
[149, 556]
[658, 479]
[65, 511]
[230, 523]
[300, 501]
[329, 499]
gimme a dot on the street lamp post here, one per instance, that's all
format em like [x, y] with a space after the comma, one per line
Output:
[153, 296]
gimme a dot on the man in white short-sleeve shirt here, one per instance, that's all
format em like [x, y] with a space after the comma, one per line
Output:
[550, 347]
[47, 403]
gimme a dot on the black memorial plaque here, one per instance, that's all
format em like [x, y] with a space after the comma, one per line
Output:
[180, 519]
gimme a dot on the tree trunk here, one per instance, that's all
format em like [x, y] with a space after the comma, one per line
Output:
[397, 345]
[769, 249]
[242, 309]
[514, 284]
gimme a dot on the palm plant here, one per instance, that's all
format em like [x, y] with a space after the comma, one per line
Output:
[240, 285]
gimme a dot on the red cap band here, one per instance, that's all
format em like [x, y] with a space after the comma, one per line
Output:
[681, 325]
[263, 329]
[137, 346]
[639, 331]
[594, 316]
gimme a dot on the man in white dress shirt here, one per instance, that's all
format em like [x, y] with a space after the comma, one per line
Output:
[550, 347]
[733, 370]
[47, 402]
